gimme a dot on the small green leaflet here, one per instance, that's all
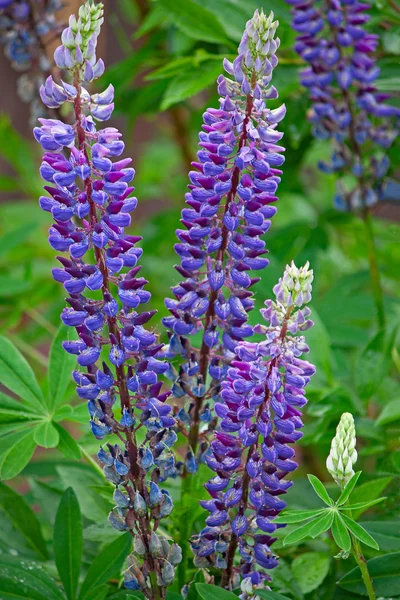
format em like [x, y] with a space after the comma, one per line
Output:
[320, 489]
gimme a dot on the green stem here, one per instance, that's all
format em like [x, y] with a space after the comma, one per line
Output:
[360, 560]
[374, 269]
[184, 529]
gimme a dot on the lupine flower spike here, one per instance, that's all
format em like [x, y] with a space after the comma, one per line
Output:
[24, 31]
[260, 411]
[230, 203]
[343, 454]
[90, 199]
[346, 107]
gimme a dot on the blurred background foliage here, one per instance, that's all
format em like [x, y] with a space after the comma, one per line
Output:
[163, 58]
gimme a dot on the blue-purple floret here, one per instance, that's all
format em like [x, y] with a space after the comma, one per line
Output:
[230, 204]
[260, 418]
[347, 107]
[89, 195]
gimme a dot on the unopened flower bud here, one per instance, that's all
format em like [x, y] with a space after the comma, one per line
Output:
[175, 554]
[139, 505]
[343, 452]
[138, 546]
[168, 573]
[155, 546]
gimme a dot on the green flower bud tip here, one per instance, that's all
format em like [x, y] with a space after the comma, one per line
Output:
[295, 288]
[343, 454]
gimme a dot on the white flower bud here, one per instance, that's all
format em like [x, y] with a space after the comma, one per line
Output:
[343, 452]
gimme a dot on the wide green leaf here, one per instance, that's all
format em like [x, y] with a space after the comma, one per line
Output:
[17, 454]
[385, 573]
[348, 489]
[367, 492]
[340, 534]
[98, 593]
[212, 592]
[68, 542]
[359, 532]
[310, 570]
[194, 20]
[106, 564]
[373, 364]
[320, 489]
[25, 579]
[191, 81]
[17, 375]
[386, 533]
[61, 365]
[390, 413]
[23, 518]
[268, 595]
[46, 435]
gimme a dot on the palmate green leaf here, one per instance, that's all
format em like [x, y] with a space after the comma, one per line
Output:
[16, 450]
[320, 489]
[13, 411]
[359, 532]
[385, 573]
[322, 524]
[106, 564]
[296, 516]
[212, 592]
[17, 375]
[362, 505]
[46, 435]
[23, 518]
[368, 491]
[301, 533]
[310, 570]
[67, 445]
[68, 542]
[194, 20]
[190, 82]
[340, 533]
[61, 365]
[25, 579]
[348, 489]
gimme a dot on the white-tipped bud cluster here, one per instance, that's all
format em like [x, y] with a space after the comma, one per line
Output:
[343, 454]
[258, 43]
[294, 288]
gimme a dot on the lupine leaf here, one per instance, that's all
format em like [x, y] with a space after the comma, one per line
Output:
[100, 593]
[320, 489]
[19, 451]
[340, 534]
[362, 505]
[67, 445]
[194, 20]
[373, 364]
[348, 489]
[296, 516]
[212, 592]
[25, 579]
[106, 564]
[386, 534]
[67, 541]
[301, 533]
[268, 595]
[46, 435]
[390, 413]
[61, 365]
[385, 573]
[360, 533]
[322, 524]
[17, 375]
[23, 518]
[190, 82]
[310, 570]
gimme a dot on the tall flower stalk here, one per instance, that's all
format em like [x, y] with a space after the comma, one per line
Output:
[230, 203]
[347, 108]
[342, 457]
[90, 200]
[25, 27]
[260, 410]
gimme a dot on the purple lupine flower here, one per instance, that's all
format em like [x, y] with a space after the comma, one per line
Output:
[260, 410]
[230, 203]
[346, 107]
[23, 27]
[89, 197]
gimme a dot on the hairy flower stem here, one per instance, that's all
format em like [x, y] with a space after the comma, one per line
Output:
[228, 572]
[205, 350]
[157, 592]
[366, 215]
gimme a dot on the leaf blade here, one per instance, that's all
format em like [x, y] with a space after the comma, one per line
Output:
[68, 542]
[320, 489]
[360, 533]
